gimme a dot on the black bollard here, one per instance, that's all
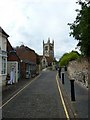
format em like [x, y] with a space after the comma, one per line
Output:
[72, 90]
[62, 78]
[59, 72]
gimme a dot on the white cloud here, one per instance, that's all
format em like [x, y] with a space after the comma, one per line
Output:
[32, 21]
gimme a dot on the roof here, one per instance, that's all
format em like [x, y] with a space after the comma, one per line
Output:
[40, 57]
[9, 47]
[3, 32]
[12, 55]
[24, 47]
[26, 54]
[27, 48]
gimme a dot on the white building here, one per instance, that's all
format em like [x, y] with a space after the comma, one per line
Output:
[3, 56]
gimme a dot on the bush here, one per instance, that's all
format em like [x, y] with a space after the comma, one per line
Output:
[64, 60]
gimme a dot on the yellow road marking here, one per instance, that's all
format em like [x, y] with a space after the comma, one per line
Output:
[17, 93]
[67, 115]
[60, 93]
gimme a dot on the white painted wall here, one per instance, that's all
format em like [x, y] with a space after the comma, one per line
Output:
[3, 42]
[0, 59]
[0, 41]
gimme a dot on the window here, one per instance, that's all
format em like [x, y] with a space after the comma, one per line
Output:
[51, 48]
[43, 61]
[46, 47]
[3, 65]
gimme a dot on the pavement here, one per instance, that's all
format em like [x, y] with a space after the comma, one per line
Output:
[79, 107]
[9, 90]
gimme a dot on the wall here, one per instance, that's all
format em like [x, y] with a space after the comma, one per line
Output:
[0, 67]
[3, 57]
[0, 70]
[79, 70]
[4, 42]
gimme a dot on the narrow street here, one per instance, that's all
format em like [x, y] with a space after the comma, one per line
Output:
[40, 99]
[44, 59]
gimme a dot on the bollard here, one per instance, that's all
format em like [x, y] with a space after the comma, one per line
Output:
[72, 90]
[59, 74]
[62, 78]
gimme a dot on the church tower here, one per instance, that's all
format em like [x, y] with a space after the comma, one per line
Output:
[48, 49]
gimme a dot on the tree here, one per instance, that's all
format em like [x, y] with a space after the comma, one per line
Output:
[80, 28]
[64, 60]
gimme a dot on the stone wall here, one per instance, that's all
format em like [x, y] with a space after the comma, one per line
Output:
[79, 70]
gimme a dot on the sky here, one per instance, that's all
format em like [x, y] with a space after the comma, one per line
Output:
[29, 22]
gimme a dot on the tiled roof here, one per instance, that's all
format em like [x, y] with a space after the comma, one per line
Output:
[3, 32]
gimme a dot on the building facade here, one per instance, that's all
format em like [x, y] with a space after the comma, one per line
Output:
[48, 48]
[27, 61]
[3, 56]
[13, 62]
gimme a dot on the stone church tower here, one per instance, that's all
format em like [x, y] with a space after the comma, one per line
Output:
[48, 49]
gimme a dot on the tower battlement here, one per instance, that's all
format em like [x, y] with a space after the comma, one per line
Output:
[48, 48]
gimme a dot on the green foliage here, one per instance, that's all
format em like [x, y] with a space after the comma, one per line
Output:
[80, 29]
[64, 60]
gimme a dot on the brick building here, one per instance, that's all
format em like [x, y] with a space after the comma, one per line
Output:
[27, 61]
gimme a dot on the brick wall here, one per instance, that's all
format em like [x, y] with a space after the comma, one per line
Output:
[79, 70]
[27, 57]
[23, 70]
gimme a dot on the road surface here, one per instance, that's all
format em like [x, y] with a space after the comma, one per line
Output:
[39, 99]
